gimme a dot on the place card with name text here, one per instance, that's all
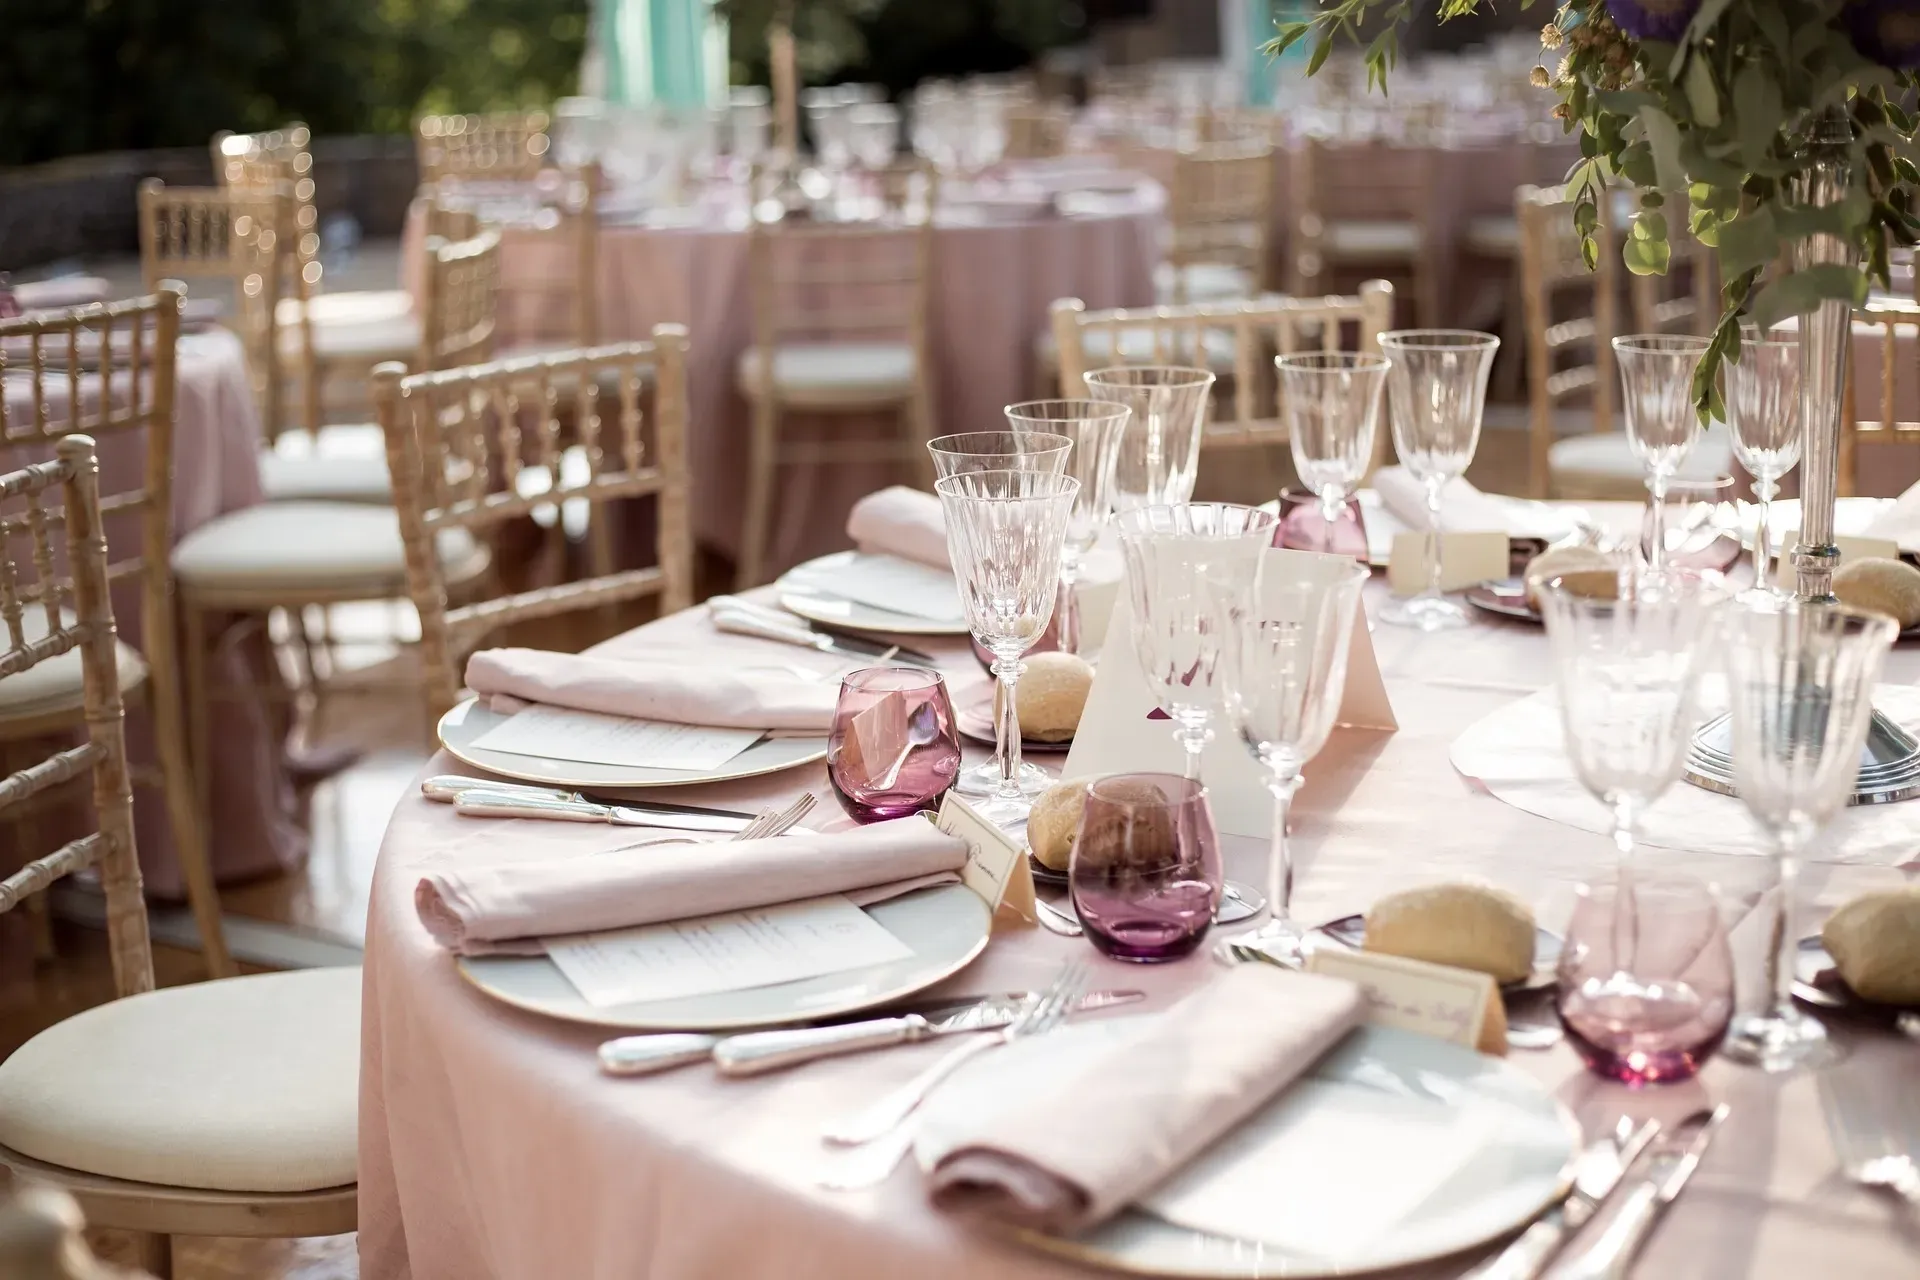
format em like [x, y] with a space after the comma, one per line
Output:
[1465, 559]
[1432, 999]
[996, 867]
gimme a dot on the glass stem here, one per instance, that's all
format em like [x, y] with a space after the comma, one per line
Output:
[1067, 608]
[1763, 488]
[1194, 737]
[1280, 854]
[1006, 725]
[1626, 916]
[1784, 942]
[1332, 507]
[1433, 538]
[1657, 522]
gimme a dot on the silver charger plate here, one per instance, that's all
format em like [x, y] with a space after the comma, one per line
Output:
[946, 926]
[816, 604]
[463, 725]
[1505, 1186]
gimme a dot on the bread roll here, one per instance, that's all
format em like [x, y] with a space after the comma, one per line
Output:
[1054, 821]
[1051, 695]
[1145, 834]
[1875, 943]
[1493, 1029]
[1587, 571]
[1891, 587]
[1468, 926]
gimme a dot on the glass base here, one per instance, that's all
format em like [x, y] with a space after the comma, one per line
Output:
[984, 780]
[1780, 1041]
[1004, 811]
[1425, 613]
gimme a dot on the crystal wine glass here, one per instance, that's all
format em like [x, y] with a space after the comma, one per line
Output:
[1763, 408]
[1656, 377]
[1171, 551]
[893, 749]
[1017, 450]
[1628, 670]
[1800, 679]
[1436, 392]
[1284, 637]
[1330, 402]
[1095, 427]
[1160, 449]
[1145, 876]
[1004, 533]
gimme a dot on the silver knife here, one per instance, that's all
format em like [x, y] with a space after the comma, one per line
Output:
[743, 617]
[446, 787]
[503, 804]
[1667, 1172]
[1596, 1173]
[757, 1052]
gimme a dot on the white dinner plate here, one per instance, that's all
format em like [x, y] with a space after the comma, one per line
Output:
[464, 725]
[801, 594]
[946, 926]
[1528, 1143]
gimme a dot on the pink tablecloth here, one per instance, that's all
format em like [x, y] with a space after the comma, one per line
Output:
[491, 1147]
[215, 443]
[992, 284]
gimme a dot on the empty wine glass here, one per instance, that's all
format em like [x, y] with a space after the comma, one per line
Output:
[1656, 377]
[1645, 980]
[893, 749]
[1145, 874]
[1800, 679]
[1171, 551]
[1699, 523]
[1094, 426]
[1017, 450]
[1284, 638]
[1330, 402]
[1436, 394]
[1763, 408]
[1628, 670]
[1004, 534]
[1160, 449]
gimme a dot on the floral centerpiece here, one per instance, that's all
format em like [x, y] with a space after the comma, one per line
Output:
[1718, 112]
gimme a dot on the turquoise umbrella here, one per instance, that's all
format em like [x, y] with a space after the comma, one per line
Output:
[671, 52]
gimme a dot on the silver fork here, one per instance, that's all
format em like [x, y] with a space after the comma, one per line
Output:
[1878, 1142]
[778, 822]
[888, 1125]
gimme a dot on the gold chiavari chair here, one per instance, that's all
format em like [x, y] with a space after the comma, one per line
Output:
[560, 309]
[1890, 326]
[1362, 207]
[238, 241]
[461, 443]
[1037, 130]
[1219, 210]
[504, 146]
[40, 1239]
[839, 326]
[1551, 271]
[218, 1108]
[127, 405]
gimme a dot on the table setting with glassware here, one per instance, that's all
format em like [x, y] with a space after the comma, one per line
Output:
[1077, 876]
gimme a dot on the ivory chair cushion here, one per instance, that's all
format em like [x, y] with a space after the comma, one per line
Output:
[366, 326]
[1601, 465]
[1204, 281]
[55, 686]
[832, 374]
[1137, 346]
[311, 547]
[1364, 239]
[1494, 236]
[325, 477]
[244, 1084]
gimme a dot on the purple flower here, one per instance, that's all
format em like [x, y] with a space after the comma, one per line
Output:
[1887, 31]
[1653, 19]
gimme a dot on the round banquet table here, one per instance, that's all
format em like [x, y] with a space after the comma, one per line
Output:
[216, 442]
[994, 274]
[490, 1145]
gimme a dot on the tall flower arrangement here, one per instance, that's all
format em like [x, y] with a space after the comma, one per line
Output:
[1707, 108]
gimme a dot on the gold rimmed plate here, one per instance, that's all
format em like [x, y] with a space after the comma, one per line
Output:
[804, 592]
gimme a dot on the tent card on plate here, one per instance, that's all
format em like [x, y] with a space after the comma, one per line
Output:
[1465, 559]
[996, 867]
[1121, 731]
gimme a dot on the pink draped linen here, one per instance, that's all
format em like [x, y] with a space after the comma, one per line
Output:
[216, 439]
[993, 280]
[490, 1145]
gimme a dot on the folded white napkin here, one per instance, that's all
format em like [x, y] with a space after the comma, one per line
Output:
[715, 694]
[902, 522]
[1463, 508]
[1901, 521]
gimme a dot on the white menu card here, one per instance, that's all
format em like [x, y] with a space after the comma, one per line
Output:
[561, 733]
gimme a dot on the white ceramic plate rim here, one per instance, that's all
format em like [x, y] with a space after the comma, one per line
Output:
[821, 606]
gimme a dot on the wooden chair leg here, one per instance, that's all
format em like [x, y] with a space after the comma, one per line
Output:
[761, 460]
[919, 422]
[177, 776]
[194, 659]
[153, 1254]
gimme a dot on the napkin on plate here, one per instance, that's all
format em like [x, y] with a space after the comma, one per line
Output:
[1463, 508]
[648, 689]
[1901, 521]
[506, 908]
[899, 521]
[1073, 1150]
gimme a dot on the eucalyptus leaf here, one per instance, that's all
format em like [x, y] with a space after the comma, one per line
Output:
[1801, 292]
[1663, 139]
[1647, 257]
[1703, 96]
[1749, 241]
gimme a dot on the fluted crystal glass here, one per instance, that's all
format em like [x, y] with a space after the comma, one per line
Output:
[1095, 427]
[1656, 381]
[1160, 449]
[1018, 449]
[1763, 408]
[1330, 403]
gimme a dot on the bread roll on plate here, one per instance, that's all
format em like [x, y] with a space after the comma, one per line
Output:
[1468, 926]
[1875, 943]
[1890, 587]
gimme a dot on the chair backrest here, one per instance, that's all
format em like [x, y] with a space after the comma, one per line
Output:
[75, 613]
[1036, 130]
[458, 311]
[240, 238]
[509, 146]
[1237, 340]
[1331, 182]
[1219, 209]
[1551, 271]
[556, 299]
[462, 445]
[1883, 387]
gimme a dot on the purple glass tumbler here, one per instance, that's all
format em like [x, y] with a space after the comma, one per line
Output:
[1146, 875]
[1646, 978]
[893, 749]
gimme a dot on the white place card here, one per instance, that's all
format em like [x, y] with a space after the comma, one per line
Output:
[996, 867]
[729, 952]
[1433, 999]
[1850, 549]
[561, 733]
[888, 582]
[1122, 729]
[1465, 559]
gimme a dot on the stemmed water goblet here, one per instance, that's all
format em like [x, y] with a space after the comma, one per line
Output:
[1005, 530]
[1171, 552]
[1160, 449]
[1800, 679]
[1763, 408]
[1656, 379]
[1284, 640]
[1436, 394]
[1330, 402]
[1095, 427]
